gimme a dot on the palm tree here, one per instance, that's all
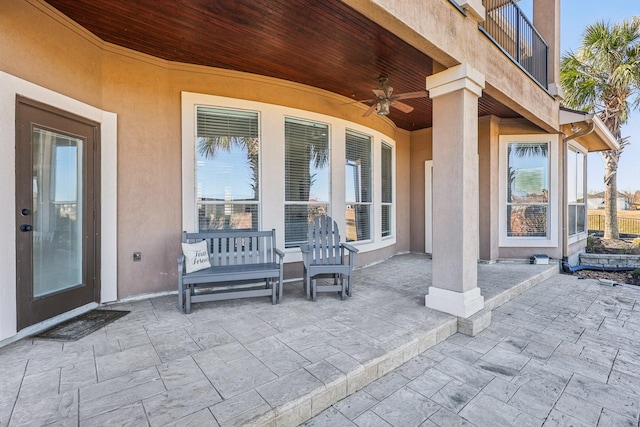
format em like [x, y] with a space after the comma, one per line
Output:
[604, 76]
[208, 147]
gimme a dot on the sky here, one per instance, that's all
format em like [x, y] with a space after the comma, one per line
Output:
[575, 16]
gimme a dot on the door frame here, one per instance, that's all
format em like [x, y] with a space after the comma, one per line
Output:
[10, 87]
[428, 206]
[31, 310]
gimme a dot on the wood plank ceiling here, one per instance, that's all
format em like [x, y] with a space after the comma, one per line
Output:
[325, 44]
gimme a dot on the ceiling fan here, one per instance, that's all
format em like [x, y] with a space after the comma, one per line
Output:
[384, 99]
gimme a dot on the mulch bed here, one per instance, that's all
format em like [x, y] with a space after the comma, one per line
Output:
[597, 245]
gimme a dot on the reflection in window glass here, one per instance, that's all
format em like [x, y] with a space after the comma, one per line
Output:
[227, 169]
[527, 189]
[57, 211]
[65, 180]
[358, 186]
[306, 177]
[575, 191]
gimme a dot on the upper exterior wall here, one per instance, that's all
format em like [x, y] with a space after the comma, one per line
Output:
[438, 29]
[40, 45]
[36, 47]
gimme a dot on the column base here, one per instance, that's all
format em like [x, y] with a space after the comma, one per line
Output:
[459, 304]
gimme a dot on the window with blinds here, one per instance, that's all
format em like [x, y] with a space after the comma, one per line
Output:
[358, 186]
[306, 177]
[386, 171]
[575, 191]
[528, 189]
[227, 169]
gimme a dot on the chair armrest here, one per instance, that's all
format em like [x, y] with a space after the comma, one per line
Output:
[280, 254]
[352, 254]
[350, 248]
[180, 261]
[305, 250]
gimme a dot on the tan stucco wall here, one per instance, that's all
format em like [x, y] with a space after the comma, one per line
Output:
[39, 45]
[546, 18]
[574, 250]
[488, 133]
[35, 47]
[404, 211]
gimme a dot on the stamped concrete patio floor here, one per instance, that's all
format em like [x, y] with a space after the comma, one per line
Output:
[563, 352]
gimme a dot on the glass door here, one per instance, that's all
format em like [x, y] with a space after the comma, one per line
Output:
[56, 223]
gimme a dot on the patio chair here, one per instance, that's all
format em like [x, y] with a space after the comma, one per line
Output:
[324, 256]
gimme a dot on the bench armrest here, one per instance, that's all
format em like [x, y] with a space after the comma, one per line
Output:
[280, 254]
[180, 261]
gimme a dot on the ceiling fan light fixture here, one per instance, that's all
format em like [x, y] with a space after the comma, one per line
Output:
[383, 107]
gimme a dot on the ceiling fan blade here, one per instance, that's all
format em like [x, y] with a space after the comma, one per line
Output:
[363, 100]
[402, 106]
[370, 110]
[408, 95]
[379, 93]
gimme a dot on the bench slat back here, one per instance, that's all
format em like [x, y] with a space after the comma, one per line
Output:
[237, 247]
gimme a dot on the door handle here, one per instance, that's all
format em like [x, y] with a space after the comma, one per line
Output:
[26, 227]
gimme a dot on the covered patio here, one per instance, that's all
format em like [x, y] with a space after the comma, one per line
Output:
[245, 360]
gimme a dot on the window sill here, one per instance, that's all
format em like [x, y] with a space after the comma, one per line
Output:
[575, 238]
[524, 242]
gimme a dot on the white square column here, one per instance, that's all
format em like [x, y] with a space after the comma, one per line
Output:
[455, 94]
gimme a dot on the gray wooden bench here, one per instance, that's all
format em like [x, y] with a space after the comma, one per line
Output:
[238, 258]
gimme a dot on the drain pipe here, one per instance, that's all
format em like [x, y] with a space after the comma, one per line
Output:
[581, 133]
[566, 139]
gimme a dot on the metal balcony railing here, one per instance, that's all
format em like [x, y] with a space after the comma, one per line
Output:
[510, 29]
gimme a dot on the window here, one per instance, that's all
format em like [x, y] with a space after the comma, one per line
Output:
[227, 169]
[387, 188]
[252, 165]
[527, 186]
[358, 186]
[306, 177]
[575, 191]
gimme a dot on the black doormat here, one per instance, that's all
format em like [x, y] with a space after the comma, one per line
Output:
[82, 325]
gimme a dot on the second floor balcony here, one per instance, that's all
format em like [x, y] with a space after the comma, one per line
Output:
[509, 28]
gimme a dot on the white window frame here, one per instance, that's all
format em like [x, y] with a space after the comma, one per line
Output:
[308, 203]
[272, 187]
[551, 240]
[573, 238]
[228, 204]
[392, 213]
[372, 222]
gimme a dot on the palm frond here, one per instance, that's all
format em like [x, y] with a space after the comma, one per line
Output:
[603, 75]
